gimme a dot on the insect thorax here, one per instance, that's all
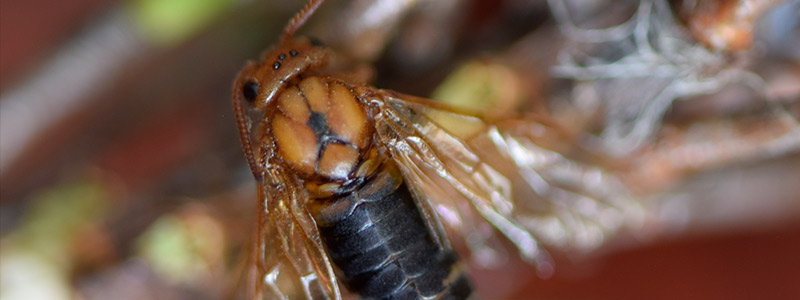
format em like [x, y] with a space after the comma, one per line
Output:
[321, 131]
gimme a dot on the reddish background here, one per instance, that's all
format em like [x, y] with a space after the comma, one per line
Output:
[741, 265]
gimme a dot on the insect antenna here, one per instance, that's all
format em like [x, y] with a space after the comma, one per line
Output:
[299, 20]
[241, 125]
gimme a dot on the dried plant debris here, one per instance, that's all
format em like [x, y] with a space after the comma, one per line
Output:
[636, 70]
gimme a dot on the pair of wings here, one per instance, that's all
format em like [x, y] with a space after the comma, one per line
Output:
[476, 177]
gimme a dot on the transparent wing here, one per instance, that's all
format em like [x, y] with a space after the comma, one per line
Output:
[510, 175]
[288, 259]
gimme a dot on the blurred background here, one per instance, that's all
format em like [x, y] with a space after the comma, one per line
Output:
[122, 177]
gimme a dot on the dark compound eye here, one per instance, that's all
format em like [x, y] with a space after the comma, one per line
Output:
[250, 91]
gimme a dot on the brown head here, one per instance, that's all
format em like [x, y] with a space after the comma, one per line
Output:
[312, 122]
[260, 82]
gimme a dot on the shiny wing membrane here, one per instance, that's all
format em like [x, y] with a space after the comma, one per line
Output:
[508, 175]
[287, 259]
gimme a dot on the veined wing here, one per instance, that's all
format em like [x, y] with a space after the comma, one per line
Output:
[513, 175]
[289, 261]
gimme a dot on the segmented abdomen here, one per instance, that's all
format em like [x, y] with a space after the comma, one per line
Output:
[378, 239]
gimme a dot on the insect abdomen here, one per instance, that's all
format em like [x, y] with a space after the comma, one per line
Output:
[378, 239]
